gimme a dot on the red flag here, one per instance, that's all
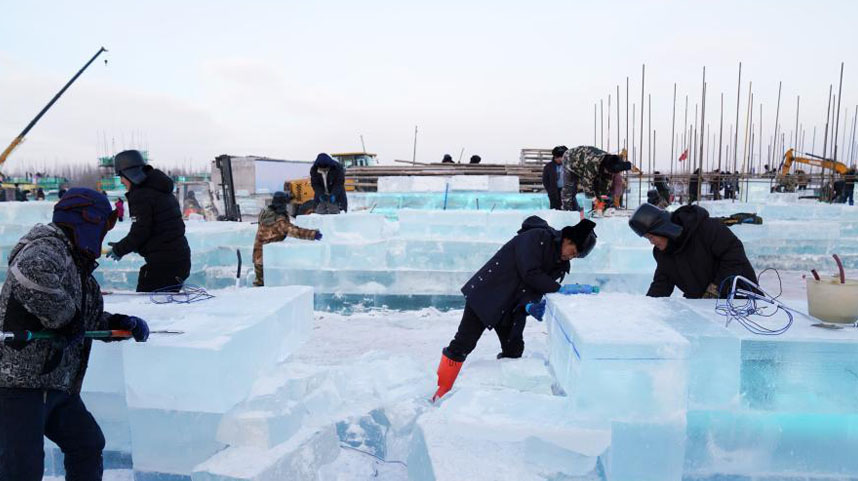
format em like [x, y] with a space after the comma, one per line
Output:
[684, 155]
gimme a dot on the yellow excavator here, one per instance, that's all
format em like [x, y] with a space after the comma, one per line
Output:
[811, 160]
[787, 182]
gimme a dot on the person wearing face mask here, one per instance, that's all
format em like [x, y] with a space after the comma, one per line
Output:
[50, 291]
[328, 179]
[510, 286]
[692, 252]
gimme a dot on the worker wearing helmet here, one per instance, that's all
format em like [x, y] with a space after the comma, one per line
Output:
[510, 286]
[158, 231]
[692, 252]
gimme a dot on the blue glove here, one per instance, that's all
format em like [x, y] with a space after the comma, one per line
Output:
[318, 236]
[112, 253]
[138, 327]
[536, 309]
[333, 199]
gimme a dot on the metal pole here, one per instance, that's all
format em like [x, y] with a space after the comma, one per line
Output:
[649, 133]
[595, 127]
[827, 118]
[797, 106]
[672, 129]
[602, 124]
[738, 97]
[640, 183]
[627, 114]
[609, 123]
[747, 126]
[760, 163]
[634, 151]
[777, 121]
[414, 155]
[837, 124]
[619, 148]
[721, 133]
[852, 142]
[702, 120]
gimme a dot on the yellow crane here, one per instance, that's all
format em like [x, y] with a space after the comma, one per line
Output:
[20, 138]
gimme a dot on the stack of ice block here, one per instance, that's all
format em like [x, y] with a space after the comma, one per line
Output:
[160, 403]
[709, 401]
[625, 370]
[435, 183]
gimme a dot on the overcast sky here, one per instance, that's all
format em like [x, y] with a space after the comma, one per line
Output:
[194, 79]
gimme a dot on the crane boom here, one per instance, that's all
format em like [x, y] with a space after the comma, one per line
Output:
[20, 138]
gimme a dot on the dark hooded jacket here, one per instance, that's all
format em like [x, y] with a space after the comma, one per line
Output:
[336, 182]
[706, 252]
[158, 231]
[523, 270]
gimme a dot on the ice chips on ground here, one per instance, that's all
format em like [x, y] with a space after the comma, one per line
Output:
[503, 434]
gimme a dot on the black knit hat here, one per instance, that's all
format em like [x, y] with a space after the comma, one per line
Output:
[583, 235]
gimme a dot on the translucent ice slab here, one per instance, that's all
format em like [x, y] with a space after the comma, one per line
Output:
[183, 384]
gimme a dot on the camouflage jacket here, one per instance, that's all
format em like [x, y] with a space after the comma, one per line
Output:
[44, 289]
[582, 166]
[274, 227]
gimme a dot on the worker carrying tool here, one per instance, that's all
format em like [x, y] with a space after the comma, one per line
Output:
[692, 251]
[158, 231]
[274, 226]
[50, 295]
[510, 286]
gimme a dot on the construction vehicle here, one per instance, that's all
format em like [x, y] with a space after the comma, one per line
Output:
[788, 182]
[811, 160]
[20, 138]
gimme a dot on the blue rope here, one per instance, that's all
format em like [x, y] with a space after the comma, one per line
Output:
[180, 294]
[742, 303]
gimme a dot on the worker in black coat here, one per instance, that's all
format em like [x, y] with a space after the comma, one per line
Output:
[158, 231]
[328, 179]
[693, 252]
[497, 297]
[553, 178]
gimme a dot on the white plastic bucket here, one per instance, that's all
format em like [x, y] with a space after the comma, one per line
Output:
[831, 301]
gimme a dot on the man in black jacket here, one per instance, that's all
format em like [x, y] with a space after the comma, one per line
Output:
[553, 178]
[520, 273]
[692, 252]
[328, 179]
[158, 231]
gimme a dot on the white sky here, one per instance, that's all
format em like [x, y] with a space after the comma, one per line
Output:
[195, 79]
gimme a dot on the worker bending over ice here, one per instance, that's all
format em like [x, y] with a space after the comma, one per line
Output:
[274, 226]
[692, 252]
[50, 290]
[501, 294]
[158, 231]
[589, 170]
